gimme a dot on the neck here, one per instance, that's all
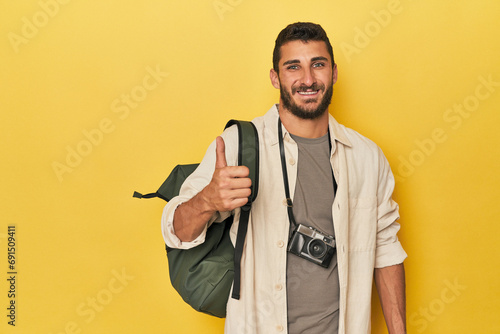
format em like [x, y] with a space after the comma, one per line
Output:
[305, 128]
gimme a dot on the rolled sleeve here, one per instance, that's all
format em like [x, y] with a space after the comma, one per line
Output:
[389, 250]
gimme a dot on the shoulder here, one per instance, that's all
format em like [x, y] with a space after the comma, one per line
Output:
[352, 139]
[359, 148]
[359, 141]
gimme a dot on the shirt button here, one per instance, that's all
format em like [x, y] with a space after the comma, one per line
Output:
[291, 161]
[279, 328]
[278, 287]
[280, 244]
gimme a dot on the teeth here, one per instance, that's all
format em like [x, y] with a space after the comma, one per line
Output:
[308, 93]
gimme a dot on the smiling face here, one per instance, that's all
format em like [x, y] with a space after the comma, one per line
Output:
[306, 77]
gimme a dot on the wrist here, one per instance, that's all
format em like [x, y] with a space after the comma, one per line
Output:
[204, 203]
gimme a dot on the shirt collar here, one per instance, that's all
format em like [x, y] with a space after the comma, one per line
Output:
[337, 131]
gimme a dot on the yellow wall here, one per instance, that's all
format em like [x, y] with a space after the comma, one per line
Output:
[101, 98]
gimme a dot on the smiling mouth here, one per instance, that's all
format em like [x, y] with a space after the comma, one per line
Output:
[307, 93]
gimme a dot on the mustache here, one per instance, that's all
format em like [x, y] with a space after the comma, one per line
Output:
[304, 88]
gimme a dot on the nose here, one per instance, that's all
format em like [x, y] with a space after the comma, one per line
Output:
[308, 77]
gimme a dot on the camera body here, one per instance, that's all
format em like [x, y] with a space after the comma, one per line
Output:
[312, 245]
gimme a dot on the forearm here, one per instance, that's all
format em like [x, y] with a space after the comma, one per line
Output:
[390, 282]
[191, 217]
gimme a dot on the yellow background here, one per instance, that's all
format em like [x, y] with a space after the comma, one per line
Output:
[66, 66]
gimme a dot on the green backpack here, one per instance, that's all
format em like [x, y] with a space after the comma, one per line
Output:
[203, 275]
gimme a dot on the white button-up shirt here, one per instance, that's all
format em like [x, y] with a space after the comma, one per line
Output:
[364, 217]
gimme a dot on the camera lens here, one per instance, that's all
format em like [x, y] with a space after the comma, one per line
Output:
[317, 248]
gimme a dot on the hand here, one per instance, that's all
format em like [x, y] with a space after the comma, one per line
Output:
[230, 185]
[229, 189]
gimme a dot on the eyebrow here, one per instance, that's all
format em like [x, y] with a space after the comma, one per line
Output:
[319, 58]
[296, 61]
[293, 61]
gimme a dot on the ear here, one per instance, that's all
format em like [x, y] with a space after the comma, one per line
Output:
[274, 78]
[334, 74]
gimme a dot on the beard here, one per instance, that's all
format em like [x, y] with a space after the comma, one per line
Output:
[306, 113]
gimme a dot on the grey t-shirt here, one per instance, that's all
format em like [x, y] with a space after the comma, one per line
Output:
[313, 291]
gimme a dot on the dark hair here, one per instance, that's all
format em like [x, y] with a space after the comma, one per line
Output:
[304, 31]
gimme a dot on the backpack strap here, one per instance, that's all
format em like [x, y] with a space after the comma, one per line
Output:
[248, 155]
[248, 152]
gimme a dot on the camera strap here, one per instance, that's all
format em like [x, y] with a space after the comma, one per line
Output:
[289, 202]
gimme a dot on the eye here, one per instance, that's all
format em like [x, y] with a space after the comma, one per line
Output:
[292, 67]
[319, 65]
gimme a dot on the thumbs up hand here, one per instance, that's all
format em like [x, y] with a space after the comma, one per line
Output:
[230, 185]
[229, 189]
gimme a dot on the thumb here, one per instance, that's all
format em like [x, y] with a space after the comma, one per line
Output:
[220, 150]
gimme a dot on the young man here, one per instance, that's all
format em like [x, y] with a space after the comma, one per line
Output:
[341, 186]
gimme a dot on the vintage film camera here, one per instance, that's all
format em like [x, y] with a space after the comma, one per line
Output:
[311, 244]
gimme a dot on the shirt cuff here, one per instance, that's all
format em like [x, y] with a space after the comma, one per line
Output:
[390, 255]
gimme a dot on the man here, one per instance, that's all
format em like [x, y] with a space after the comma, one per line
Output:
[341, 186]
